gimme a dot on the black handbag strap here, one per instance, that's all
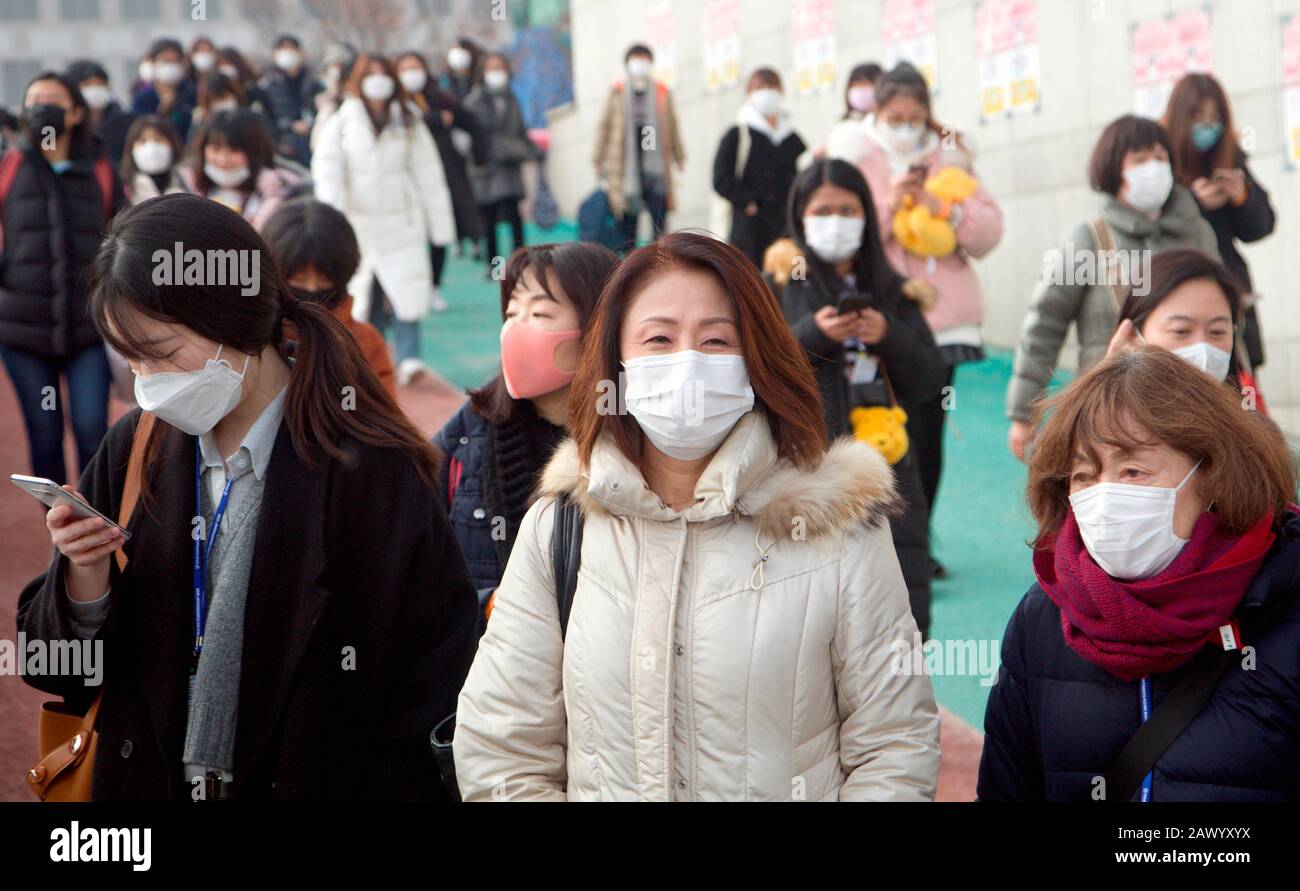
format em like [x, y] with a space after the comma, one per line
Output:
[566, 555]
[1179, 708]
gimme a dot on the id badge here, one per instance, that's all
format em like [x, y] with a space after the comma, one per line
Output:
[864, 368]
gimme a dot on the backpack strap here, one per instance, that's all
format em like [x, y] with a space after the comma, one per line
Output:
[104, 177]
[1179, 708]
[9, 164]
[566, 555]
[455, 468]
[1103, 242]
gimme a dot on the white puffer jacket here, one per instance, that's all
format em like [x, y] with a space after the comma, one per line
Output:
[394, 192]
[739, 650]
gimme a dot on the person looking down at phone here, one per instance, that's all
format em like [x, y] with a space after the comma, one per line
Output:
[1207, 158]
[254, 564]
[852, 314]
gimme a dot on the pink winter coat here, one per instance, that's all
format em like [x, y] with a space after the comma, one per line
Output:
[958, 302]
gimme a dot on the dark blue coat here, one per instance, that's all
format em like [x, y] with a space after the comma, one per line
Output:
[1055, 721]
[463, 439]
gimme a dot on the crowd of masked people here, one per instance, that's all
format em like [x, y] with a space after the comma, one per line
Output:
[670, 550]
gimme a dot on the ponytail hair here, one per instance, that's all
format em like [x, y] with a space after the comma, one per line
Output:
[333, 394]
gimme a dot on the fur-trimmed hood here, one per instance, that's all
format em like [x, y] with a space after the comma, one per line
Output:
[852, 484]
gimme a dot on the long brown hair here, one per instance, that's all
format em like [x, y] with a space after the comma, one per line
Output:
[327, 362]
[1150, 396]
[353, 88]
[778, 370]
[1189, 163]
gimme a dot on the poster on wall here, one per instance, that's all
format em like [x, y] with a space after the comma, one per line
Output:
[1164, 49]
[661, 34]
[1291, 88]
[721, 32]
[908, 32]
[812, 33]
[1006, 48]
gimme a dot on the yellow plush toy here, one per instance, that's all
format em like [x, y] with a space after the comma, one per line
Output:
[918, 230]
[882, 427]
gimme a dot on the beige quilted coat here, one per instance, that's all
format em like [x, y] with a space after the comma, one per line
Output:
[694, 669]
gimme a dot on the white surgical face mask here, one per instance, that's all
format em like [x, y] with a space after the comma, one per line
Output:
[146, 71]
[1148, 185]
[496, 79]
[903, 137]
[192, 401]
[287, 59]
[97, 96]
[203, 60]
[227, 179]
[639, 68]
[1207, 357]
[766, 101]
[834, 239]
[151, 156]
[458, 58]
[229, 71]
[1128, 529]
[377, 87]
[687, 402]
[169, 73]
[413, 80]
[231, 104]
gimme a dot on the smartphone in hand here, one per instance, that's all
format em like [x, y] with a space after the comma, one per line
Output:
[852, 303]
[51, 494]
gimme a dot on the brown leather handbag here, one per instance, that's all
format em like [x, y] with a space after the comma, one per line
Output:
[66, 770]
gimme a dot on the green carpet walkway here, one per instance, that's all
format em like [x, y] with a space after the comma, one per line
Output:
[981, 524]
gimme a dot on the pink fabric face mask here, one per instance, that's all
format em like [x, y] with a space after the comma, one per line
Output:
[528, 359]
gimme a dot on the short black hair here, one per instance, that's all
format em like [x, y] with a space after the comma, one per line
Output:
[306, 232]
[1129, 133]
[83, 70]
[163, 44]
[638, 49]
[282, 39]
[866, 71]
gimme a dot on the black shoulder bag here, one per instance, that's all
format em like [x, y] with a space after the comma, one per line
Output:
[1179, 707]
[566, 555]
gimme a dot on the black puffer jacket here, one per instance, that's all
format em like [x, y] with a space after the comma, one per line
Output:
[53, 224]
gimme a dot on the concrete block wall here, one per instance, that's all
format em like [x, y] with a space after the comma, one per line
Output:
[1035, 165]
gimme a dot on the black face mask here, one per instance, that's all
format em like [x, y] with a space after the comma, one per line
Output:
[328, 298]
[40, 120]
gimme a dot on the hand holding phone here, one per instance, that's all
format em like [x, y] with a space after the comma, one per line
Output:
[852, 303]
[82, 534]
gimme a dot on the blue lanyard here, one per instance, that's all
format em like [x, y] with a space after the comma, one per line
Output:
[202, 554]
[1144, 691]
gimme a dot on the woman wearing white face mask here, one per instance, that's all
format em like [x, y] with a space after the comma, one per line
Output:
[168, 93]
[445, 117]
[501, 148]
[233, 163]
[729, 635]
[376, 161]
[862, 329]
[1191, 307]
[463, 68]
[901, 150]
[1167, 543]
[222, 652]
[108, 119]
[1143, 210]
[753, 169]
[151, 164]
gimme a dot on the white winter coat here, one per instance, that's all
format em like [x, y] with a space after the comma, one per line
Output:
[393, 191]
[692, 668]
